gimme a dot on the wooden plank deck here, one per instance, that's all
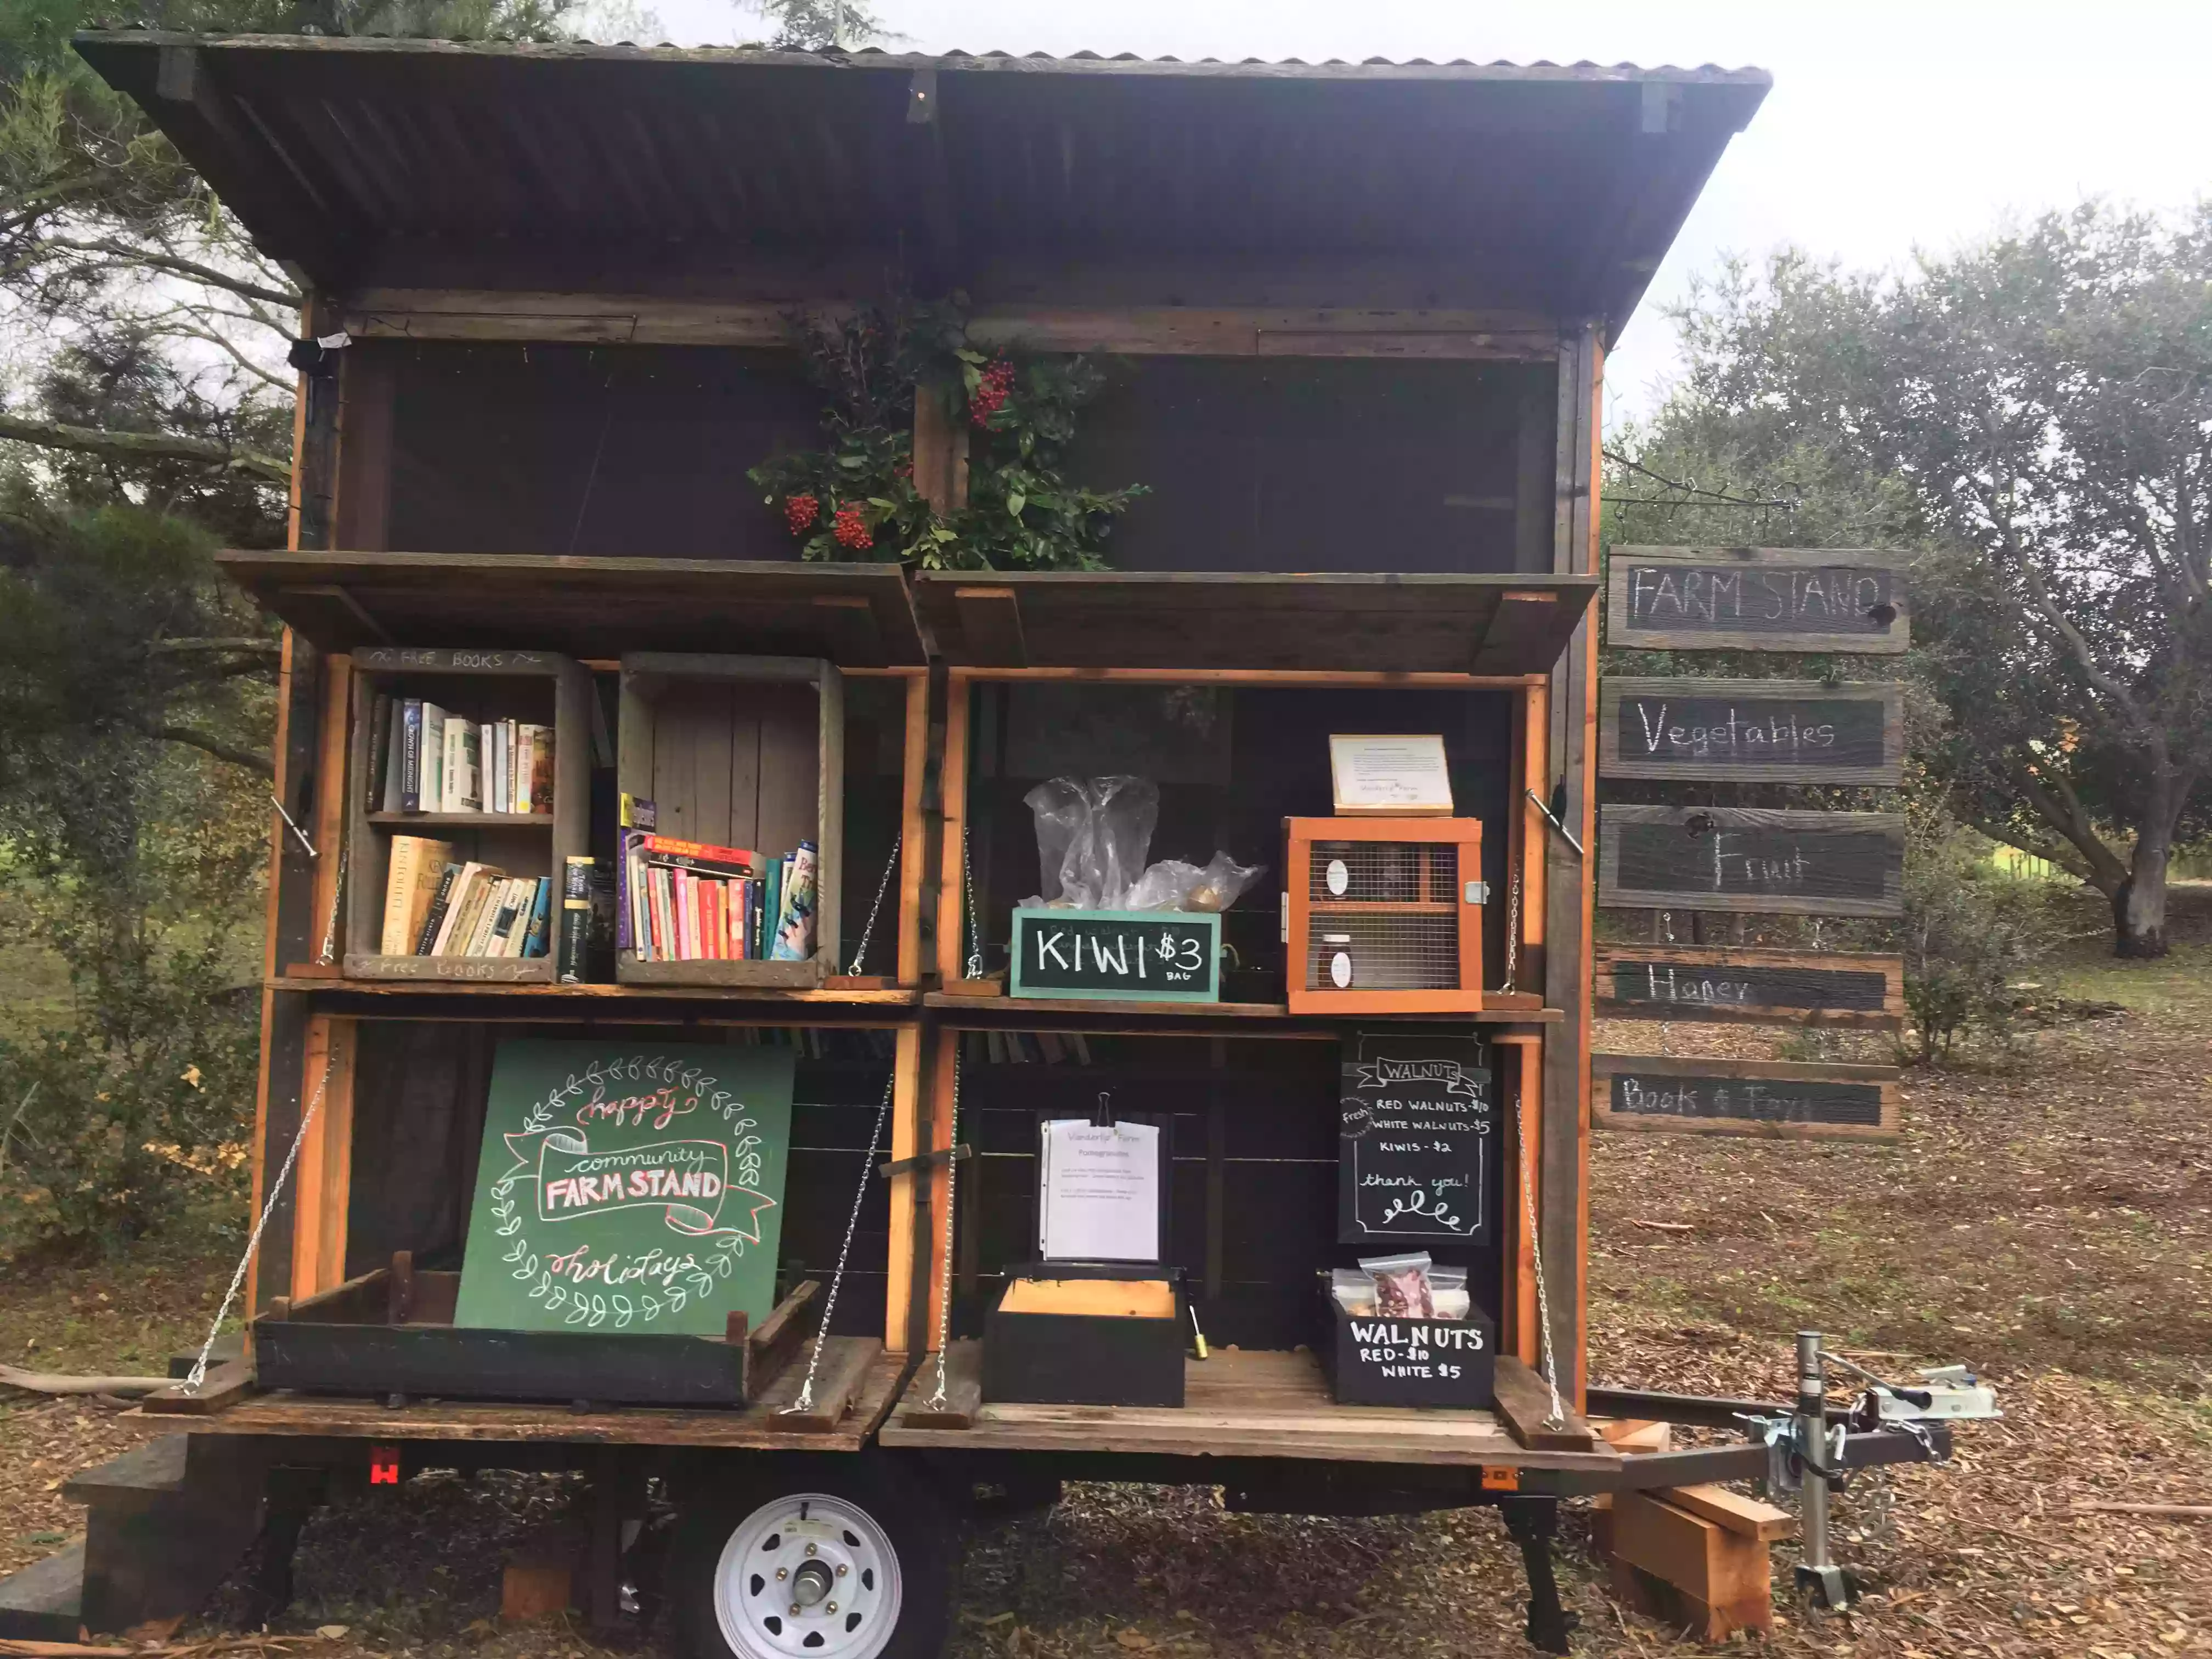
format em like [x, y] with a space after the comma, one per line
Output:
[1239, 1404]
[753, 1427]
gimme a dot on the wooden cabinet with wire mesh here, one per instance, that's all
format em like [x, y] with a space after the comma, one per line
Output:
[1383, 916]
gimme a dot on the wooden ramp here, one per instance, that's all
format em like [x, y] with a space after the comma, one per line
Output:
[1237, 1404]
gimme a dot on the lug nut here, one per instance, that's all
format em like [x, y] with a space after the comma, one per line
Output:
[843, 1569]
[832, 1605]
[812, 1549]
[782, 1573]
[794, 1609]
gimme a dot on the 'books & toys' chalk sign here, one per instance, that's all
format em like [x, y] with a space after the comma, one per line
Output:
[628, 1188]
[1417, 1130]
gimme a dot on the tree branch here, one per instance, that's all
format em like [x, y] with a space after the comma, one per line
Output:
[242, 643]
[1661, 479]
[123, 253]
[211, 745]
[2061, 808]
[144, 446]
[244, 362]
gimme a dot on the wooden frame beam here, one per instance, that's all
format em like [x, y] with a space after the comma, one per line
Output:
[323, 1175]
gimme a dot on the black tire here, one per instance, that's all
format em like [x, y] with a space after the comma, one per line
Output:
[910, 1522]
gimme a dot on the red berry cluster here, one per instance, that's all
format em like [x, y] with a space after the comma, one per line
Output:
[851, 528]
[800, 512]
[990, 397]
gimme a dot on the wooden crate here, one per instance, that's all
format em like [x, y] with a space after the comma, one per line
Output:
[535, 685]
[1409, 914]
[741, 751]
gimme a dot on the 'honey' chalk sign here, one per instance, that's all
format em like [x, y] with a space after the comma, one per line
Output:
[1757, 599]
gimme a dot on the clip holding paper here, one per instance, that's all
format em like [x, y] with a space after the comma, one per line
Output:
[1104, 1117]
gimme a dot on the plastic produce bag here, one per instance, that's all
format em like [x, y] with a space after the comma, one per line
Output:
[1092, 836]
[1171, 884]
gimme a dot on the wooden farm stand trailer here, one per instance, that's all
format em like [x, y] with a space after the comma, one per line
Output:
[1353, 317]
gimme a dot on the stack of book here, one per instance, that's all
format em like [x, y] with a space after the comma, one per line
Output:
[690, 901]
[424, 759]
[438, 905]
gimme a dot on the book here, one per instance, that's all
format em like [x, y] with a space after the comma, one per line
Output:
[638, 813]
[434, 917]
[463, 772]
[494, 768]
[410, 758]
[505, 907]
[470, 889]
[380, 747]
[534, 937]
[703, 856]
[417, 866]
[534, 774]
[575, 941]
[434, 720]
[478, 941]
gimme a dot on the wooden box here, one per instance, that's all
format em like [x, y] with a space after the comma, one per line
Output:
[1088, 1359]
[1408, 1362]
[1121, 956]
[1383, 916]
[746, 752]
[537, 686]
[391, 1332]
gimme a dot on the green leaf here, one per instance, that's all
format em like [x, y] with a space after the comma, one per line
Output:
[968, 354]
[1015, 502]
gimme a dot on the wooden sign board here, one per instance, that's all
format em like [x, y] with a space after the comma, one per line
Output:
[1125, 956]
[1417, 1141]
[1733, 858]
[1755, 598]
[1743, 1097]
[1668, 981]
[1754, 730]
[631, 1188]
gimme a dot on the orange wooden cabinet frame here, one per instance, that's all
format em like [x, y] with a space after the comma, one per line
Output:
[1443, 899]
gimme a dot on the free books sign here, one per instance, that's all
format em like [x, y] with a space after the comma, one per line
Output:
[628, 1188]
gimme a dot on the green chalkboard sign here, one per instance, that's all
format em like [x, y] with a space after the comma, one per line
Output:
[1126, 955]
[627, 1186]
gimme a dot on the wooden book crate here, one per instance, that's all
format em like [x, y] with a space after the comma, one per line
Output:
[1398, 900]
[746, 752]
[537, 686]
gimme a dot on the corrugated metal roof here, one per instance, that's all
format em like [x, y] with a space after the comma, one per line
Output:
[414, 163]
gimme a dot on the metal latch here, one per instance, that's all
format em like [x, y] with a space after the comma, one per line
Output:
[1478, 892]
[1286, 918]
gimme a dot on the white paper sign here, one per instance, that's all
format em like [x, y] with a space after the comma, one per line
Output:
[1098, 1192]
[1373, 773]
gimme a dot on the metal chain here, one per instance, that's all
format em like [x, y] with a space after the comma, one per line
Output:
[951, 1180]
[1536, 1254]
[860, 956]
[805, 1400]
[253, 1240]
[329, 953]
[974, 928]
[1512, 933]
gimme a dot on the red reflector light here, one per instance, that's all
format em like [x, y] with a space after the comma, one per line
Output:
[382, 1466]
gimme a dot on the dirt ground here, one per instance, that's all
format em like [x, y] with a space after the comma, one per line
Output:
[2048, 1218]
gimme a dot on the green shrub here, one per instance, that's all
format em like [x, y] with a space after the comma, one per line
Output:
[1971, 930]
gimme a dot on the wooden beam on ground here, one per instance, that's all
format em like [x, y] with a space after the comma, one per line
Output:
[1687, 1570]
[1747, 1517]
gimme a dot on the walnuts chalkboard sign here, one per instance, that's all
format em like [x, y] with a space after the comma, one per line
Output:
[1417, 1136]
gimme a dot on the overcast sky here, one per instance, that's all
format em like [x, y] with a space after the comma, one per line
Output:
[1893, 124]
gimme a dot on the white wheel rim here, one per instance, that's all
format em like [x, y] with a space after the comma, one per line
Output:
[833, 1554]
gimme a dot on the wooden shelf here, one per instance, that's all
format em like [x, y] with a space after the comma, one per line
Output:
[461, 820]
[894, 996]
[1025, 1012]
[1237, 1404]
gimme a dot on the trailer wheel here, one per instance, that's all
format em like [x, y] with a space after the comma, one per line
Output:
[838, 1558]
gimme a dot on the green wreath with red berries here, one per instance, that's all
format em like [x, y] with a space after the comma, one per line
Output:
[856, 499]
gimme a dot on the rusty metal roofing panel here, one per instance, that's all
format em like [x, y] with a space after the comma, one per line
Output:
[1554, 186]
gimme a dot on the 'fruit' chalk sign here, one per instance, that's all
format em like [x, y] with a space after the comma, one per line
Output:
[1721, 858]
[1417, 1133]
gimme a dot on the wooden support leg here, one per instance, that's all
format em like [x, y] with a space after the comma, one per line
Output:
[1531, 1522]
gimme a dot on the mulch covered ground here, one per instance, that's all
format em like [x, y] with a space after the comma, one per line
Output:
[2048, 1218]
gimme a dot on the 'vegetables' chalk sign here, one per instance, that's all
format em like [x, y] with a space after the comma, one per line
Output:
[1722, 858]
[627, 1186]
[1756, 730]
[1417, 1133]
[1666, 982]
[1126, 955]
[1744, 1098]
[1758, 599]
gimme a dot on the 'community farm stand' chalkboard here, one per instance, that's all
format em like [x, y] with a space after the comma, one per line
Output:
[628, 1188]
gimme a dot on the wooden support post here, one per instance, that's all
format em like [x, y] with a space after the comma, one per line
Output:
[1535, 833]
[914, 849]
[1524, 1053]
[906, 1143]
[323, 1180]
[991, 625]
[952, 789]
[1564, 1195]
[329, 823]
[944, 1082]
